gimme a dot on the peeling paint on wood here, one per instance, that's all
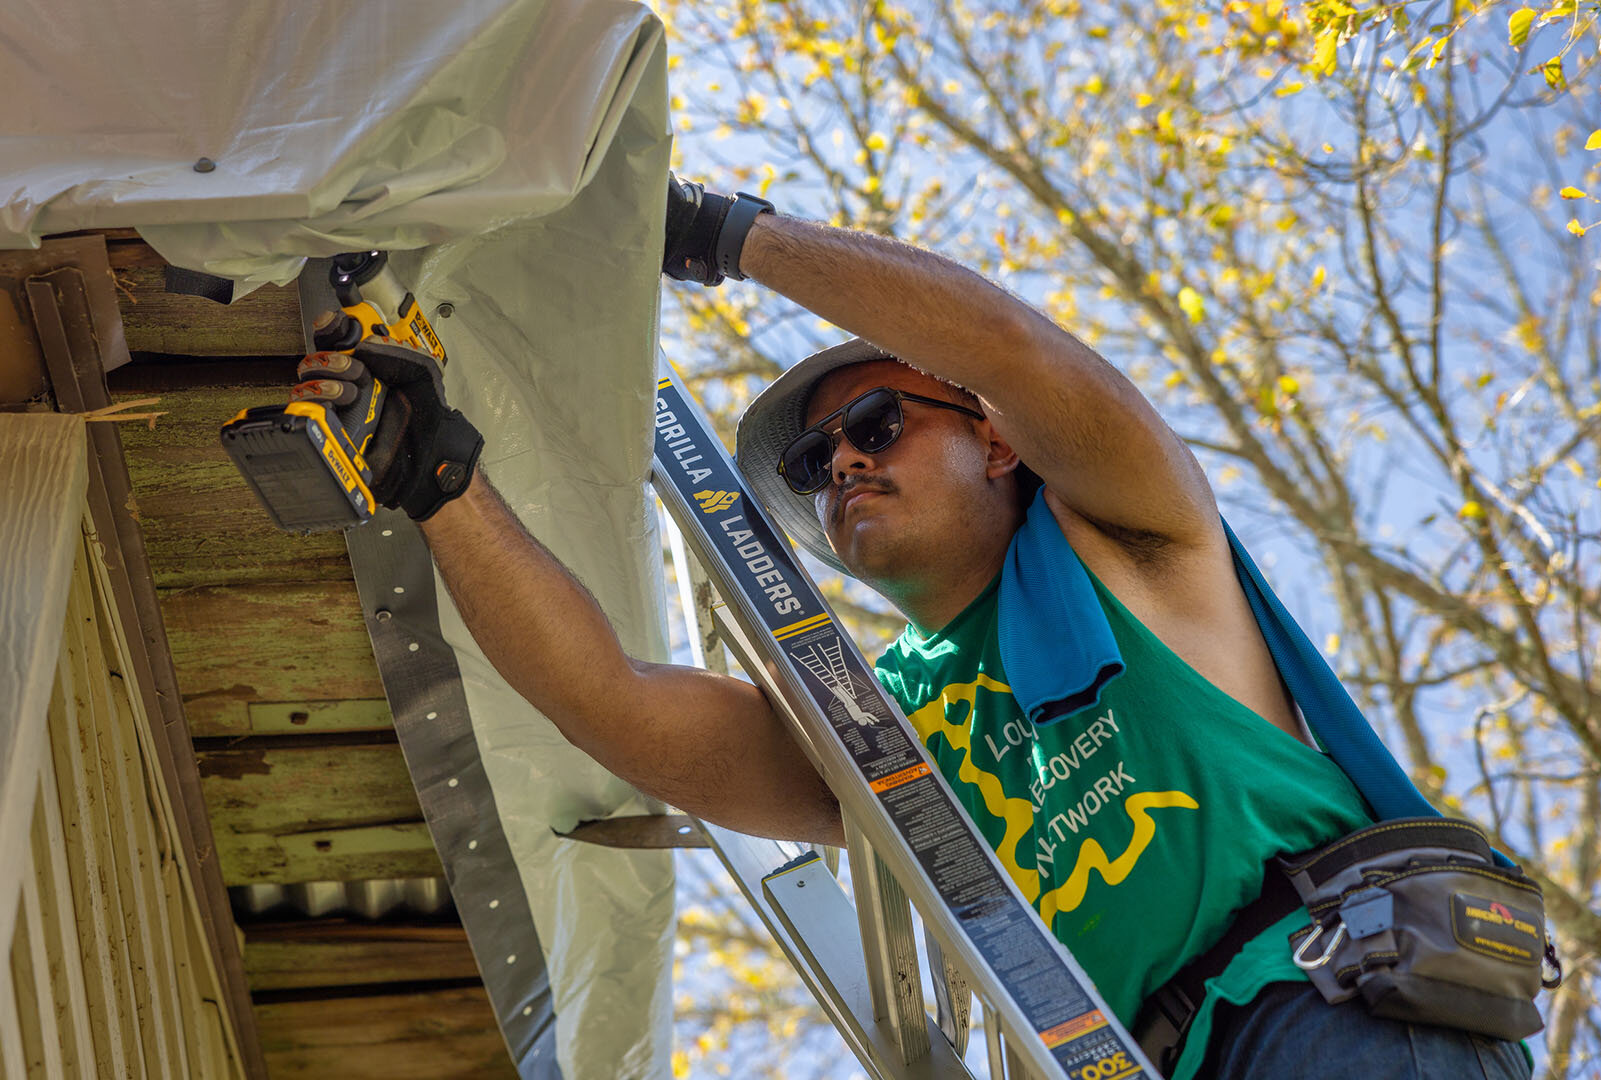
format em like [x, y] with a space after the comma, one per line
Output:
[292, 812]
[309, 717]
[243, 644]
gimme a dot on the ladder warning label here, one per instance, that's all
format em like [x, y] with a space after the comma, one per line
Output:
[744, 553]
[905, 776]
[1072, 1029]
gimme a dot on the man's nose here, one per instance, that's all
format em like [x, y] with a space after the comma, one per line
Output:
[848, 459]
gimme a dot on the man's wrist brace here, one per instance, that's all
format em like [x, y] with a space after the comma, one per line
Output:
[737, 224]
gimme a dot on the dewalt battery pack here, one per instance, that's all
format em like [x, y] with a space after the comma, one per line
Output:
[299, 461]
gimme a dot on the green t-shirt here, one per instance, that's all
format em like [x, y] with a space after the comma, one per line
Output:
[1136, 827]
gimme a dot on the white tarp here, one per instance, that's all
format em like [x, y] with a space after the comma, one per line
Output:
[513, 155]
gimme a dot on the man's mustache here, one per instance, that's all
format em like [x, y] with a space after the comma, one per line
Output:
[849, 487]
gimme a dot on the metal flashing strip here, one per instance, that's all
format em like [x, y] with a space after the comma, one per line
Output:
[395, 580]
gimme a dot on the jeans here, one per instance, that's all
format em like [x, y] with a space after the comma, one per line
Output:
[1290, 1033]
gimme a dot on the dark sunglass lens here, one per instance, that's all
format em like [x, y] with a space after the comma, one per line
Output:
[807, 462]
[874, 421]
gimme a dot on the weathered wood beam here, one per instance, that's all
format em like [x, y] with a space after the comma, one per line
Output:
[334, 952]
[287, 643]
[303, 809]
[439, 1035]
[265, 322]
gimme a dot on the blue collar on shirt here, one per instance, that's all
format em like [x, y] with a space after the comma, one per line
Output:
[1058, 651]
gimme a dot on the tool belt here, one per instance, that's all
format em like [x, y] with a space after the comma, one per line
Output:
[1414, 916]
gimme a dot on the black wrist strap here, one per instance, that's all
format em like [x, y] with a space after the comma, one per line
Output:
[731, 240]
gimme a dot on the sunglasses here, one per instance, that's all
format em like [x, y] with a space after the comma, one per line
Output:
[871, 423]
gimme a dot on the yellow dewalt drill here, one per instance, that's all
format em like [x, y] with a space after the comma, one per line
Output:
[304, 460]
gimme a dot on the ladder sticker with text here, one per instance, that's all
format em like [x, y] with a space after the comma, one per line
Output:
[708, 497]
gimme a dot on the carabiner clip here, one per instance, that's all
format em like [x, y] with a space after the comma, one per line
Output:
[1328, 952]
[1550, 966]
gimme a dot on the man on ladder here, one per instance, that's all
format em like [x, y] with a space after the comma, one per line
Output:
[1025, 508]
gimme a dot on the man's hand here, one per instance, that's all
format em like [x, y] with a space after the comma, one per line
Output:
[706, 231]
[421, 451]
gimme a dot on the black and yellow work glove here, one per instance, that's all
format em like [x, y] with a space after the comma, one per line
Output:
[421, 452]
[706, 232]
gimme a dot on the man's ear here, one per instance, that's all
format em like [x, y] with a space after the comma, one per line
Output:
[1001, 458]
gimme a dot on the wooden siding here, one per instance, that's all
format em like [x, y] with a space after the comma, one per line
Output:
[107, 973]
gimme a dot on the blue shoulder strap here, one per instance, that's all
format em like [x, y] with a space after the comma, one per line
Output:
[1331, 714]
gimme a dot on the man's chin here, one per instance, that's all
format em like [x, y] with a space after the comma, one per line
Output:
[866, 552]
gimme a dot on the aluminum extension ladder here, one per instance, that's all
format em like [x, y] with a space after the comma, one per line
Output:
[909, 841]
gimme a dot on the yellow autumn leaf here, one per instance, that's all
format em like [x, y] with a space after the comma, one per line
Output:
[1289, 384]
[1594, 141]
[1552, 70]
[876, 141]
[1439, 48]
[1324, 56]
[1318, 277]
[1191, 304]
[1094, 85]
[1518, 25]
[1142, 100]
[1571, 192]
[1174, 378]
[1289, 88]
[1575, 228]
[1471, 511]
[1331, 644]
[1528, 334]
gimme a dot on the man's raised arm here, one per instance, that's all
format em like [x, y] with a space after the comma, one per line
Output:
[1072, 417]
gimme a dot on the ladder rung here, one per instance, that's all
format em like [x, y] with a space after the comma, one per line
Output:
[890, 947]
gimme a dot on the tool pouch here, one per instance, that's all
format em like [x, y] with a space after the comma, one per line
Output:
[1415, 917]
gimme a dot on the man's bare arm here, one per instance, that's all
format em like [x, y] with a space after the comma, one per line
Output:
[1075, 419]
[707, 744]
